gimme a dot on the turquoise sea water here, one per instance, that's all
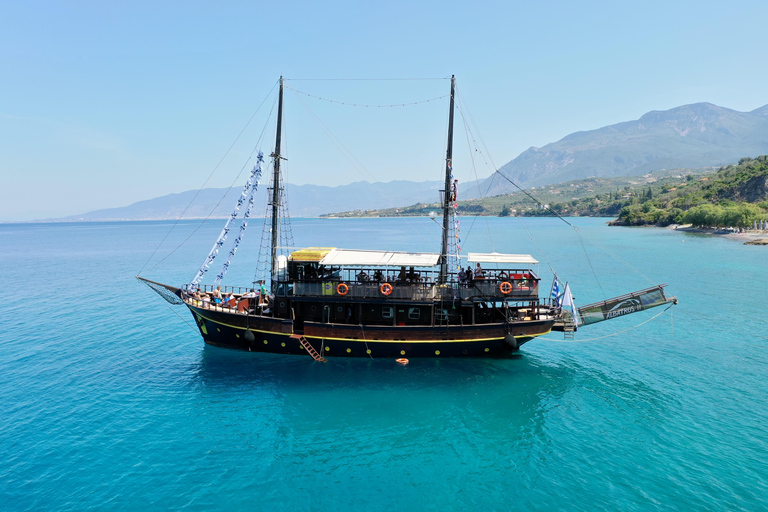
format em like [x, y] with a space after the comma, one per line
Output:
[110, 400]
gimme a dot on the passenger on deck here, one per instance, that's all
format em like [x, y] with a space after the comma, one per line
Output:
[269, 300]
[363, 277]
[413, 276]
[479, 273]
[217, 295]
[462, 276]
[402, 276]
[378, 276]
[469, 276]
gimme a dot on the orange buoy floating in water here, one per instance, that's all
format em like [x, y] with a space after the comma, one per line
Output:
[402, 361]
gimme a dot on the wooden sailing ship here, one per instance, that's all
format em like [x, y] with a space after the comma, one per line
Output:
[329, 302]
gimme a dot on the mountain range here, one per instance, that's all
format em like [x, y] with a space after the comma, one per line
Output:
[691, 136]
[304, 201]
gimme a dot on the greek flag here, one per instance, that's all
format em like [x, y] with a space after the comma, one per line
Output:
[557, 292]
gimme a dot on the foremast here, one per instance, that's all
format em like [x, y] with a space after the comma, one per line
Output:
[276, 191]
[447, 190]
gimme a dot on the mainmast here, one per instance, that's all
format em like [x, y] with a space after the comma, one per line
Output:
[447, 190]
[276, 189]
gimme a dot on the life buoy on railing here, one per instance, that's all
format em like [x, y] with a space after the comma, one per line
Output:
[385, 288]
[342, 288]
[505, 287]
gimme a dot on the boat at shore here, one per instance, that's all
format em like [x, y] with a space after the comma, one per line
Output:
[331, 301]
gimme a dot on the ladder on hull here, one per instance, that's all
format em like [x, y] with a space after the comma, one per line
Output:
[569, 326]
[309, 348]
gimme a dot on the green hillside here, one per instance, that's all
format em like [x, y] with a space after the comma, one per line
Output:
[733, 196]
[518, 203]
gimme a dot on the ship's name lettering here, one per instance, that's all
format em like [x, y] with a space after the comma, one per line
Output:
[622, 311]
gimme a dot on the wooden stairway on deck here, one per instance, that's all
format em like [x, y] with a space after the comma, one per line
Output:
[309, 348]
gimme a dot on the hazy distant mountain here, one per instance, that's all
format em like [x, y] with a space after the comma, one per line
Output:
[692, 136]
[303, 200]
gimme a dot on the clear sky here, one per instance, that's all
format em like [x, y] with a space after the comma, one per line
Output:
[106, 103]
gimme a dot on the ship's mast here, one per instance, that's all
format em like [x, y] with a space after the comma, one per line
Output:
[276, 189]
[447, 190]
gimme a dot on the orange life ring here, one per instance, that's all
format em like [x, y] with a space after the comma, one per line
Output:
[505, 287]
[385, 288]
[402, 361]
[342, 288]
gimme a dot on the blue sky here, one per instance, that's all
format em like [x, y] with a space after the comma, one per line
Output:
[107, 103]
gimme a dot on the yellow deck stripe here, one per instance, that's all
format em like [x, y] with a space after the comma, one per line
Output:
[371, 340]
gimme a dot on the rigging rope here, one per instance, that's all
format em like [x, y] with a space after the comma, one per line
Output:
[356, 164]
[608, 335]
[255, 175]
[575, 228]
[464, 107]
[467, 120]
[181, 215]
[246, 216]
[362, 79]
[367, 106]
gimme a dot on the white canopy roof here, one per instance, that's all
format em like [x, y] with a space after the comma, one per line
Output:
[341, 257]
[495, 257]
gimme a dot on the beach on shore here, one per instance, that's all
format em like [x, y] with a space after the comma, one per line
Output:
[748, 237]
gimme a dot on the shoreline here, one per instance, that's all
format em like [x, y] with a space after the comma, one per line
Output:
[747, 237]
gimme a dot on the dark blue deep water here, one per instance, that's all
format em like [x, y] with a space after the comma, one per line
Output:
[110, 400]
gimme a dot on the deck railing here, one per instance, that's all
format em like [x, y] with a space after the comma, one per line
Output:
[368, 283]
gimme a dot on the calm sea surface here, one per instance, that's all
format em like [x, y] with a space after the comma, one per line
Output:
[110, 400]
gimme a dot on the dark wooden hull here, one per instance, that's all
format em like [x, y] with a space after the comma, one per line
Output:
[273, 335]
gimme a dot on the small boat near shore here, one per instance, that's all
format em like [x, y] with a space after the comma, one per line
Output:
[342, 302]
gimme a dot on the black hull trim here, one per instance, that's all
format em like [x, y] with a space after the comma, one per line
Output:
[221, 332]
